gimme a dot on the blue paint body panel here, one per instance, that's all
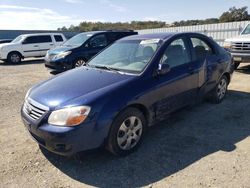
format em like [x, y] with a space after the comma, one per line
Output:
[108, 93]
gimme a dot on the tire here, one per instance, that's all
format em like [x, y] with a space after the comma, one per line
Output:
[79, 62]
[236, 65]
[219, 92]
[126, 133]
[14, 57]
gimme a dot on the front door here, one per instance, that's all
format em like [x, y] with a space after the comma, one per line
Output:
[30, 46]
[96, 44]
[179, 86]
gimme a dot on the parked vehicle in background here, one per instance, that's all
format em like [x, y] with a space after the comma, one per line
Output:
[239, 47]
[81, 48]
[30, 45]
[126, 88]
[5, 41]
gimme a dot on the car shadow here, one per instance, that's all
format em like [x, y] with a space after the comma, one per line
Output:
[186, 137]
[244, 69]
[24, 62]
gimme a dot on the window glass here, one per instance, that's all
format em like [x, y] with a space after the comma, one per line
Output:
[127, 56]
[78, 40]
[58, 38]
[31, 40]
[201, 48]
[176, 54]
[98, 41]
[113, 36]
[45, 38]
[247, 30]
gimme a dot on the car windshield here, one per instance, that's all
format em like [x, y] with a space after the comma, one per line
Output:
[78, 40]
[129, 56]
[246, 30]
[18, 39]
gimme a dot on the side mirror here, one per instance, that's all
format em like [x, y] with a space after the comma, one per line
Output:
[163, 69]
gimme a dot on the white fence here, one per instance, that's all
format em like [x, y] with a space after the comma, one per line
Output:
[219, 32]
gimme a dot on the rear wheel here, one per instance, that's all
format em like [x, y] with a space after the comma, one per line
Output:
[219, 92]
[14, 57]
[126, 132]
[79, 62]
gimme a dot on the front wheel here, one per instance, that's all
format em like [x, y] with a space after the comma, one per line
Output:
[126, 132]
[79, 62]
[219, 92]
[14, 57]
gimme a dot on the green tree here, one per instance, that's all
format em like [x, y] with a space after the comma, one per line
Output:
[235, 14]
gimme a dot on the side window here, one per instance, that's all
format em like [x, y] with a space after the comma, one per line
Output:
[113, 37]
[176, 54]
[45, 39]
[31, 40]
[58, 38]
[98, 41]
[201, 48]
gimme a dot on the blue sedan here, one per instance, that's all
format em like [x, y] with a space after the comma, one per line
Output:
[125, 89]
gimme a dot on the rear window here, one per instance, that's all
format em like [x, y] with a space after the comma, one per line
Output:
[58, 38]
[45, 38]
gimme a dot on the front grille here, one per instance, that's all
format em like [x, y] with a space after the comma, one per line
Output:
[33, 109]
[241, 46]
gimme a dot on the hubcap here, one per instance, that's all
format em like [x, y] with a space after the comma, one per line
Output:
[15, 58]
[80, 63]
[129, 133]
[222, 88]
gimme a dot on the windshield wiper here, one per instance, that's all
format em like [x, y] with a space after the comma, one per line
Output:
[105, 68]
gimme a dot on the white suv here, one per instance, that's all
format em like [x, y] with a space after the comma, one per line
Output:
[30, 45]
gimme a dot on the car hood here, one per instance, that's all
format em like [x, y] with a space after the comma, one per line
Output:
[240, 38]
[8, 45]
[74, 84]
[60, 49]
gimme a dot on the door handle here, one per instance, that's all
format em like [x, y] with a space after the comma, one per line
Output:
[36, 46]
[51, 44]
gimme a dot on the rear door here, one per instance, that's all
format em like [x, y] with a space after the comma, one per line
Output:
[30, 46]
[45, 44]
[58, 39]
[207, 62]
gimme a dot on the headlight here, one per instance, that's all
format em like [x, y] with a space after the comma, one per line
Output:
[27, 94]
[62, 55]
[227, 44]
[71, 116]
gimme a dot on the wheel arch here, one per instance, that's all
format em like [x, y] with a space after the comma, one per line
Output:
[15, 52]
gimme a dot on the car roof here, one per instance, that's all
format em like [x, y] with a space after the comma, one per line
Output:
[161, 36]
[39, 34]
[108, 31]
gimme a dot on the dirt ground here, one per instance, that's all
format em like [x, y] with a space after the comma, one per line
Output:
[203, 146]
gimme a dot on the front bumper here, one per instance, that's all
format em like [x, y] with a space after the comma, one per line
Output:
[63, 140]
[241, 57]
[58, 65]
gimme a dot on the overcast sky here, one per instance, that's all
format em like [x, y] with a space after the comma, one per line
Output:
[51, 14]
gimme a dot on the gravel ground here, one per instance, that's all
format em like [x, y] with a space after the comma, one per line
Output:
[203, 146]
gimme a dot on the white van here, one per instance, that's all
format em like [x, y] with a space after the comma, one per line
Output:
[30, 45]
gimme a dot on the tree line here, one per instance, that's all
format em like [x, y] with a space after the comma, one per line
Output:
[233, 14]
